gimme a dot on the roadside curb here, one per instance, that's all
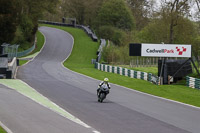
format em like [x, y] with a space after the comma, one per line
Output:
[5, 128]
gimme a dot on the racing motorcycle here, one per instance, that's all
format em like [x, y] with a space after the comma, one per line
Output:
[104, 90]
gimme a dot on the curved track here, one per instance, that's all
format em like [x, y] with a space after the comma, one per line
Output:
[124, 111]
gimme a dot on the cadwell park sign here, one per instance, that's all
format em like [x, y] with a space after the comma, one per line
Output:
[166, 50]
[160, 50]
[167, 68]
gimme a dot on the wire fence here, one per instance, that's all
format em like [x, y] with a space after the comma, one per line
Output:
[26, 52]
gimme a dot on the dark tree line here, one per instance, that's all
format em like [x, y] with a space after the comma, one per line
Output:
[121, 21]
[19, 19]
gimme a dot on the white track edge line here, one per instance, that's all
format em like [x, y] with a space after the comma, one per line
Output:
[185, 104]
[5, 128]
[75, 120]
[143, 93]
[82, 123]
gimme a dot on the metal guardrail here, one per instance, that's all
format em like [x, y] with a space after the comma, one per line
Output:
[85, 28]
[90, 33]
[100, 50]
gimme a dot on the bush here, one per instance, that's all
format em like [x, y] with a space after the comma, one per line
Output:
[106, 32]
[19, 37]
[116, 55]
[26, 26]
[117, 36]
[115, 13]
[20, 40]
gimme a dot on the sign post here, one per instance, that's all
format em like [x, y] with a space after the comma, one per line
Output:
[163, 50]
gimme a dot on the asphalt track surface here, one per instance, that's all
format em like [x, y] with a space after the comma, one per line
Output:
[22, 115]
[124, 110]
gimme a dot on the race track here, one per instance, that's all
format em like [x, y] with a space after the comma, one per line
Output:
[124, 111]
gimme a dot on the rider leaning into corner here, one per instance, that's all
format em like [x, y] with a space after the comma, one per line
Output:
[105, 81]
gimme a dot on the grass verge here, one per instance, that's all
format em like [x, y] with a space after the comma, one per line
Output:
[22, 62]
[39, 45]
[2, 130]
[40, 42]
[80, 61]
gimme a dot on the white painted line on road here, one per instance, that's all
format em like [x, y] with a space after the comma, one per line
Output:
[185, 104]
[129, 88]
[38, 52]
[123, 86]
[159, 97]
[62, 112]
[76, 120]
[15, 76]
[96, 132]
[5, 128]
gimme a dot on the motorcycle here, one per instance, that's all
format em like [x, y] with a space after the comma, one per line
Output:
[104, 90]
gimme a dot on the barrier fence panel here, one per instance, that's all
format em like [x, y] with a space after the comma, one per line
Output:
[127, 72]
[28, 51]
[193, 82]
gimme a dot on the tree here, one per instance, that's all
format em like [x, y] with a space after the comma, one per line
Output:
[158, 31]
[85, 11]
[173, 10]
[8, 20]
[115, 13]
[140, 10]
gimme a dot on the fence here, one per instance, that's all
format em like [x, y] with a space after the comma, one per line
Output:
[85, 28]
[144, 62]
[89, 32]
[28, 51]
[193, 82]
[100, 50]
[127, 72]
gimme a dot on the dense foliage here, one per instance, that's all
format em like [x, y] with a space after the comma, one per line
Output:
[120, 21]
[8, 20]
[19, 19]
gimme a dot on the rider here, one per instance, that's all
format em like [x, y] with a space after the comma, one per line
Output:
[106, 80]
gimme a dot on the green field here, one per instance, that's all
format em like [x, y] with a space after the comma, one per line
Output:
[40, 43]
[80, 61]
[2, 130]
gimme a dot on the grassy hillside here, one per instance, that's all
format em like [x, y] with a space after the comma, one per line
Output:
[2, 130]
[80, 61]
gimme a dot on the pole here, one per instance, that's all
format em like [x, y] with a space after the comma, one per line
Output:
[195, 66]
[161, 68]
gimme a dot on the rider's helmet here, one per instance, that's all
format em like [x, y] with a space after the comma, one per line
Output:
[106, 80]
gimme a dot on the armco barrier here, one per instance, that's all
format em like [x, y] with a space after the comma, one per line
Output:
[85, 28]
[127, 72]
[100, 50]
[193, 82]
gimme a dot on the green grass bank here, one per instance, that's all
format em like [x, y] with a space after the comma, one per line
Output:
[80, 61]
[39, 45]
[2, 130]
